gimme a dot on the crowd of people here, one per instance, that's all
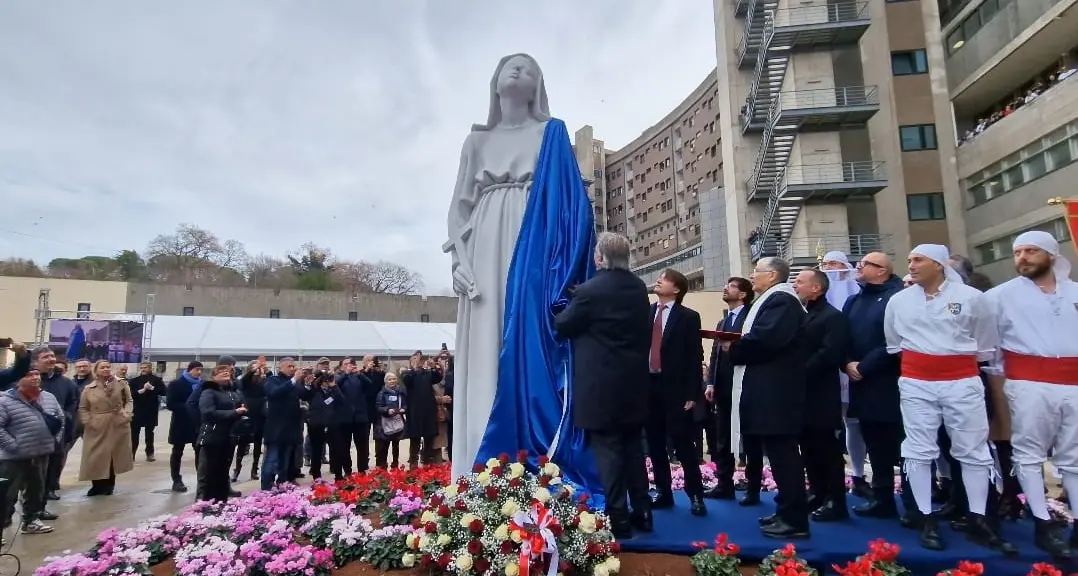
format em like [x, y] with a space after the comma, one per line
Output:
[966, 392]
[1023, 97]
[294, 416]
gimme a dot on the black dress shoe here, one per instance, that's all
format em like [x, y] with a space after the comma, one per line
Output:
[179, 487]
[662, 501]
[876, 509]
[642, 521]
[720, 494]
[861, 488]
[814, 501]
[930, 534]
[46, 515]
[830, 512]
[1047, 537]
[769, 519]
[234, 493]
[697, 507]
[52, 495]
[750, 499]
[980, 530]
[781, 530]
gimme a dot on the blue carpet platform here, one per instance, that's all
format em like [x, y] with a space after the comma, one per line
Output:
[831, 543]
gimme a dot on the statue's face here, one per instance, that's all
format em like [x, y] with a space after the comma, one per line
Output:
[518, 77]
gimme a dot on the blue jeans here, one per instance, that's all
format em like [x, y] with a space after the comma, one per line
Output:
[277, 464]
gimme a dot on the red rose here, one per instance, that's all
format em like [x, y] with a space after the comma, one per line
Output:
[503, 458]
[556, 530]
[581, 507]
[444, 560]
[426, 560]
[544, 481]
[436, 500]
[543, 460]
[498, 471]
[462, 485]
[461, 506]
[507, 547]
[564, 567]
[443, 511]
[476, 526]
[574, 522]
[600, 523]
[515, 483]
[594, 549]
[478, 468]
[430, 528]
[615, 547]
[475, 547]
[492, 492]
[522, 456]
[582, 498]
[481, 565]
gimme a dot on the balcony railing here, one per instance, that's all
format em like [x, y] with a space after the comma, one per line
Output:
[830, 13]
[824, 99]
[853, 245]
[839, 172]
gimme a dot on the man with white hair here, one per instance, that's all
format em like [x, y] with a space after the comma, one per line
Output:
[1037, 369]
[942, 329]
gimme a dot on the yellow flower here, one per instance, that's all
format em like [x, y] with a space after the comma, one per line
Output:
[412, 541]
[483, 478]
[493, 463]
[466, 519]
[516, 470]
[509, 508]
[408, 560]
[428, 516]
[443, 539]
[450, 491]
[613, 564]
[551, 469]
[502, 532]
[511, 569]
[464, 562]
[541, 494]
[587, 523]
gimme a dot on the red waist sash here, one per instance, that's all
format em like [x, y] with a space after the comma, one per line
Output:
[1040, 368]
[938, 368]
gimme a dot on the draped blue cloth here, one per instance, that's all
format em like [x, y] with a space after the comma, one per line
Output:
[532, 407]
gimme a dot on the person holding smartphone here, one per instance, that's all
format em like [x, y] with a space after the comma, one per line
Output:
[221, 407]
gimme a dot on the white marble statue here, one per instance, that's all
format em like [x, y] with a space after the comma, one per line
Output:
[496, 168]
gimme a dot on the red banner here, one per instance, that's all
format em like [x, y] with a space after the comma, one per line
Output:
[1072, 221]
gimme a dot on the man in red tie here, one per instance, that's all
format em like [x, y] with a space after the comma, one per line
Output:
[676, 387]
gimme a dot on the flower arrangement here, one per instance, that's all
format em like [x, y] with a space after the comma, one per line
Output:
[965, 568]
[785, 562]
[881, 560]
[720, 560]
[504, 519]
[369, 491]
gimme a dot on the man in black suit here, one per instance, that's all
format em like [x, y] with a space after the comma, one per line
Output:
[738, 296]
[826, 333]
[769, 370]
[607, 319]
[674, 360]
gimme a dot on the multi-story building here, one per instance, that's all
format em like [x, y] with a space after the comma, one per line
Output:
[1012, 82]
[651, 189]
[832, 139]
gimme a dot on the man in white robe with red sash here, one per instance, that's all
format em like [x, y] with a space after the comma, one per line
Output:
[943, 328]
[1037, 369]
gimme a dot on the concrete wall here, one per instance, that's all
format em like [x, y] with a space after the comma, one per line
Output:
[987, 43]
[19, 300]
[306, 304]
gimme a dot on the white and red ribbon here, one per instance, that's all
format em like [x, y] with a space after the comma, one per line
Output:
[536, 538]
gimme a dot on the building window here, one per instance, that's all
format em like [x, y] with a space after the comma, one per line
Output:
[1002, 248]
[907, 63]
[353, 316]
[275, 313]
[1043, 156]
[84, 311]
[917, 137]
[424, 317]
[188, 310]
[925, 207]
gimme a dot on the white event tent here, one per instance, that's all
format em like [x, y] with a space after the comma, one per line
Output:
[183, 338]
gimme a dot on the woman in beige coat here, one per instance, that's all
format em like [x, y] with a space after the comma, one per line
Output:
[105, 411]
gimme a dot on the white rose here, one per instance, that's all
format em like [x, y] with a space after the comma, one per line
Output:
[493, 463]
[408, 560]
[541, 494]
[424, 542]
[464, 562]
[601, 570]
[412, 541]
[466, 520]
[428, 516]
[502, 532]
[516, 470]
[587, 523]
[554, 481]
[613, 564]
[551, 469]
[509, 508]
[443, 539]
[450, 491]
[511, 569]
[483, 478]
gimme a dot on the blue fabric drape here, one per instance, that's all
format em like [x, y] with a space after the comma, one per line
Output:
[554, 251]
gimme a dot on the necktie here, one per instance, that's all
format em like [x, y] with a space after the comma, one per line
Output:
[655, 360]
[729, 322]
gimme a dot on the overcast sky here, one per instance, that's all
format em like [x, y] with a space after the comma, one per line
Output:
[281, 122]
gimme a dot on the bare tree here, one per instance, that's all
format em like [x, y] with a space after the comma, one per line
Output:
[264, 271]
[233, 255]
[194, 255]
[380, 277]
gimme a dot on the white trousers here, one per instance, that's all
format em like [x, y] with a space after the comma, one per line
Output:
[1043, 417]
[957, 405]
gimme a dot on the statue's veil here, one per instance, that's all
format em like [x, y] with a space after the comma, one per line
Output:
[538, 107]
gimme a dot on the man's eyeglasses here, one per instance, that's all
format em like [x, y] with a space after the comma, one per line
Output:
[865, 263]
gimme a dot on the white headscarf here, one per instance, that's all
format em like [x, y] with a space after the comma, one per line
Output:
[941, 255]
[1045, 241]
[837, 256]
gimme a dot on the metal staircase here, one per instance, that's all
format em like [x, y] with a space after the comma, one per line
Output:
[752, 39]
[775, 145]
[767, 80]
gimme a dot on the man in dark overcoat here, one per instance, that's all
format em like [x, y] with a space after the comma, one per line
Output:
[146, 389]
